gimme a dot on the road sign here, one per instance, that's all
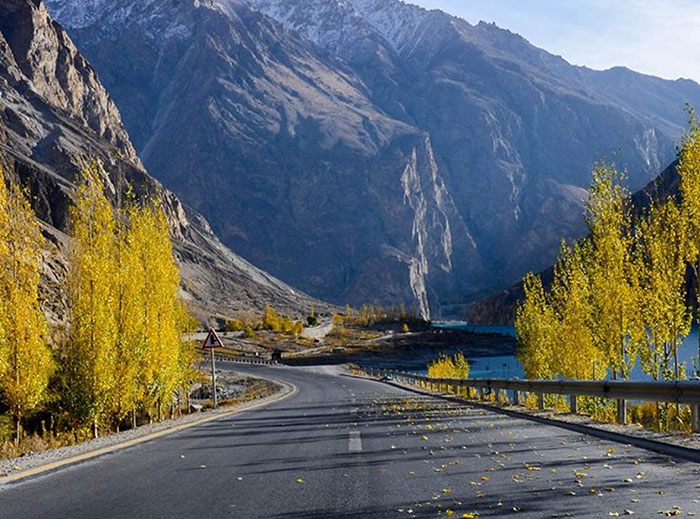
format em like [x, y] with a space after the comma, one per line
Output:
[212, 340]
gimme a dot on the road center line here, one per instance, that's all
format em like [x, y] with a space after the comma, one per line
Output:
[355, 442]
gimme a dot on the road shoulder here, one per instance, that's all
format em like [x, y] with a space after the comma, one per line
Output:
[27, 469]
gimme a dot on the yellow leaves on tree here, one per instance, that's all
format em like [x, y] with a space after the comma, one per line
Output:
[661, 266]
[620, 293]
[689, 173]
[574, 353]
[618, 328]
[125, 350]
[534, 325]
[163, 319]
[449, 367]
[91, 355]
[26, 361]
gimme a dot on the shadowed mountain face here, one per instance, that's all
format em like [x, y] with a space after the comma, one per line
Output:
[53, 111]
[370, 150]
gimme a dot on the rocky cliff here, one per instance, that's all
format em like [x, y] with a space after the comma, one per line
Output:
[54, 112]
[371, 150]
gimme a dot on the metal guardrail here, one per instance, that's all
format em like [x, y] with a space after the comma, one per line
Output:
[685, 392]
[246, 360]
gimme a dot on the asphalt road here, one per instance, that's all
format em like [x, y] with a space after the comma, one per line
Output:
[343, 447]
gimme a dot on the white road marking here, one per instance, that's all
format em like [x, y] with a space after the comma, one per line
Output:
[355, 442]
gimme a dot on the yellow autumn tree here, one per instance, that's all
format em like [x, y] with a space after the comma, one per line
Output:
[535, 326]
[129, 299]
[574, 354]
[26, 361]
[661, 265]
[618, 328]
[89, 362]
[162, 316]
[445, 366]
[689, 173]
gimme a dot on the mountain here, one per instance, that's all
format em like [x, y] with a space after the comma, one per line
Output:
[54, 112]
[371, 150]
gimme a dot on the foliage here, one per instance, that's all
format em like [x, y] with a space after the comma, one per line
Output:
[620, 294]
[274, 322]
[534, 324]
[312, 320]
[449, 367]
[689, 173]
[125, 349]
[370, 315]
[618, 329]
[26, 361]
[661, 265]
[89, 359]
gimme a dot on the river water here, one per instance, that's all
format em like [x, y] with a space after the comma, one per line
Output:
[508, 367]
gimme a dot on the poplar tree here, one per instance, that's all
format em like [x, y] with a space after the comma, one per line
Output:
[689, 172]
[617, 329]
[26, 361]
[574, 353]
[535, 325]
[661, 264]
[90, 359]
[162, 320]
[128, 315]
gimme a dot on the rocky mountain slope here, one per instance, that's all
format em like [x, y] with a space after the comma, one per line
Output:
[369, 149]
[55, 112]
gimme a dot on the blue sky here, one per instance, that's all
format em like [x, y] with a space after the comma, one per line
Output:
[659, 37]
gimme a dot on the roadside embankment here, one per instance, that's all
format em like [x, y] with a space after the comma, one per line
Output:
[39, 462]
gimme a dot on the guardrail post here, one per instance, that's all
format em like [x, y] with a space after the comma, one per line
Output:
[695, 418]
[516, 397]
[573, 404]
[540, 397]
[622, 412]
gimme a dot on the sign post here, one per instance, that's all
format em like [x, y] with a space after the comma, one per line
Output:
[211, 342]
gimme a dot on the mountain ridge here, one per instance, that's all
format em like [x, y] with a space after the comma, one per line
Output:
[303, 117]
[54, 113]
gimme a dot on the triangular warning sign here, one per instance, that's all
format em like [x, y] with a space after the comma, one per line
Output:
[212, 340]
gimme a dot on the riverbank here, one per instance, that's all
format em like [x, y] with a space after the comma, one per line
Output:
[411, 351]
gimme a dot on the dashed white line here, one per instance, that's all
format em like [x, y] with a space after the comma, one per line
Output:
[355, 442]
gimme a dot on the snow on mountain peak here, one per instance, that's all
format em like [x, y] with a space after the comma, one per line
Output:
[396, 21]
[336, 24]
[158, 18]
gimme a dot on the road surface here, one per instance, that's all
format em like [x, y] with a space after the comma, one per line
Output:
[350, 448]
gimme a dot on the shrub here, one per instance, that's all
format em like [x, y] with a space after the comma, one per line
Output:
[449, 367]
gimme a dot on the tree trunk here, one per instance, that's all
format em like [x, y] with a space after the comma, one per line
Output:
[133, 417]
[18, 431]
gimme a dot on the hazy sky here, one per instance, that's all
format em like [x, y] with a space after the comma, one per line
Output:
[659, 37]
